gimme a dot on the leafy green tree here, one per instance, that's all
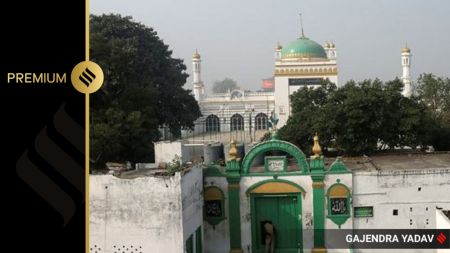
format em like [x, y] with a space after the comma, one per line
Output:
[143, 89]
[309, 116]
[360, 118]
[224, 85]
[435, 93]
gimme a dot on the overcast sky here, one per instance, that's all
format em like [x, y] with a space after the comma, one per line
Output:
[236, 38]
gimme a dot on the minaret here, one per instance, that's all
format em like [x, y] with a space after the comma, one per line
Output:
[333, 54]
[330, 50]
[278, 49]
[199, 88]
[406, 77]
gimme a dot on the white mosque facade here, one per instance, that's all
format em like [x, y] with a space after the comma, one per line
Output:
[221, 200]
[300, 63]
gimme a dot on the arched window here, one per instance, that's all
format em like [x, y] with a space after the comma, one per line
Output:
[237, 122]
[212, 123]
[261, 121]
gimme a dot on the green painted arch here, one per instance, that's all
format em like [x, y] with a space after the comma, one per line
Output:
[256, 185]
[275, 145]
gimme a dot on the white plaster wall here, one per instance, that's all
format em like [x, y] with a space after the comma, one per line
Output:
[152, 214]
[387, 190]
[165, 151]
[217, 239]
[140, 212]
[282, 99]
[192, 201]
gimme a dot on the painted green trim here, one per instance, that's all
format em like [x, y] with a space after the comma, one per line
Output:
[251, 188]
[274, 158]
[275, 145]
[214, 221]
[339, 219]
[338, 166]
[319, 217]
[317, 168]
[235, 218]
[213, 171]
[363, 211]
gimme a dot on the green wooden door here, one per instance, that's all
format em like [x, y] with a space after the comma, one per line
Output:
[284, 213]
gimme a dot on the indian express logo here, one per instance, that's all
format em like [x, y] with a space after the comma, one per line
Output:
[87, 77]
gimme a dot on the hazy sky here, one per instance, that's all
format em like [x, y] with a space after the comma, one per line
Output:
[236, 38]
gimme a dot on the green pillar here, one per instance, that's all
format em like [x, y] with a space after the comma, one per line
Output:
[233, 178]
[317, 168]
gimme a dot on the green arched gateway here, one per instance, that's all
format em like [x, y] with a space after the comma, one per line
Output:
[275, 145]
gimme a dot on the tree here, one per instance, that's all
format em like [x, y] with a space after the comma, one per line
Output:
[359, 118]
[224, 85]
[309, 117]
[143, 90]
[435, 93]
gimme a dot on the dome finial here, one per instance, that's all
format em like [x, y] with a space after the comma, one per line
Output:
[278, 47]
[301, 25]
[233, 152]
[406, 49]
[196, 55]
[316, 149]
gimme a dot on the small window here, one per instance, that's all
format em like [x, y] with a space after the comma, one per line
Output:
[395, 212]
[426, 208]
[419, 189]
[427, 221]
[363, 211]
[410, 209]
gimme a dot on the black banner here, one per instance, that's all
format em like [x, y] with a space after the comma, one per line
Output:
[305, 81]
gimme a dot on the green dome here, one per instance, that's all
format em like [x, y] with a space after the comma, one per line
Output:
[303, 48]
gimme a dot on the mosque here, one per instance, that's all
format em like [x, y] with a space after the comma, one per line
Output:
[301, 63]
[221, 204]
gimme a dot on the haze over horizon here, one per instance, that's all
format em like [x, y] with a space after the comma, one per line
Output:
[236, 39]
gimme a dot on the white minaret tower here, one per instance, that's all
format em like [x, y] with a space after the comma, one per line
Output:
[199, 88]
[278, 49]
[406, 77]
[330, 50]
